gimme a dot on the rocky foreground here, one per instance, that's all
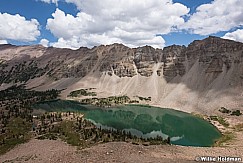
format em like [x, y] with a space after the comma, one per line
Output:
[50, 151]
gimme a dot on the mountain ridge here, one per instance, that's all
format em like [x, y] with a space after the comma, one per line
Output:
[207, 38]
[208, 72]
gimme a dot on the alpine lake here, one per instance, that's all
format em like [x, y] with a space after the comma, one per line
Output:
[143, 121]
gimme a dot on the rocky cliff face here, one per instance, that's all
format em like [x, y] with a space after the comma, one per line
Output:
[19, 64]
[215, 53]
[209, 64]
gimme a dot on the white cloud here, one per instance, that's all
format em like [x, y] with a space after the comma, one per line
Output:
[16, 27]
[3, 42]
[131, 22]
[73, 43]
[220, 15]
[50, 1]
[44, 42]
[236, 35]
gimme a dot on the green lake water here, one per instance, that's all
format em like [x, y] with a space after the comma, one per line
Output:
[144, 121]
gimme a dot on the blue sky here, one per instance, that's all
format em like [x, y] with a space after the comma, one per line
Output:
[159, 23]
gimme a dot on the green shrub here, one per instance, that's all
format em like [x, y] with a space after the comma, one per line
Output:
[236, 112]
[224, 110]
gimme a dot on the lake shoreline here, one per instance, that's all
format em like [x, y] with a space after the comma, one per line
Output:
[141, 118]
[42, 150]
[205, 116]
